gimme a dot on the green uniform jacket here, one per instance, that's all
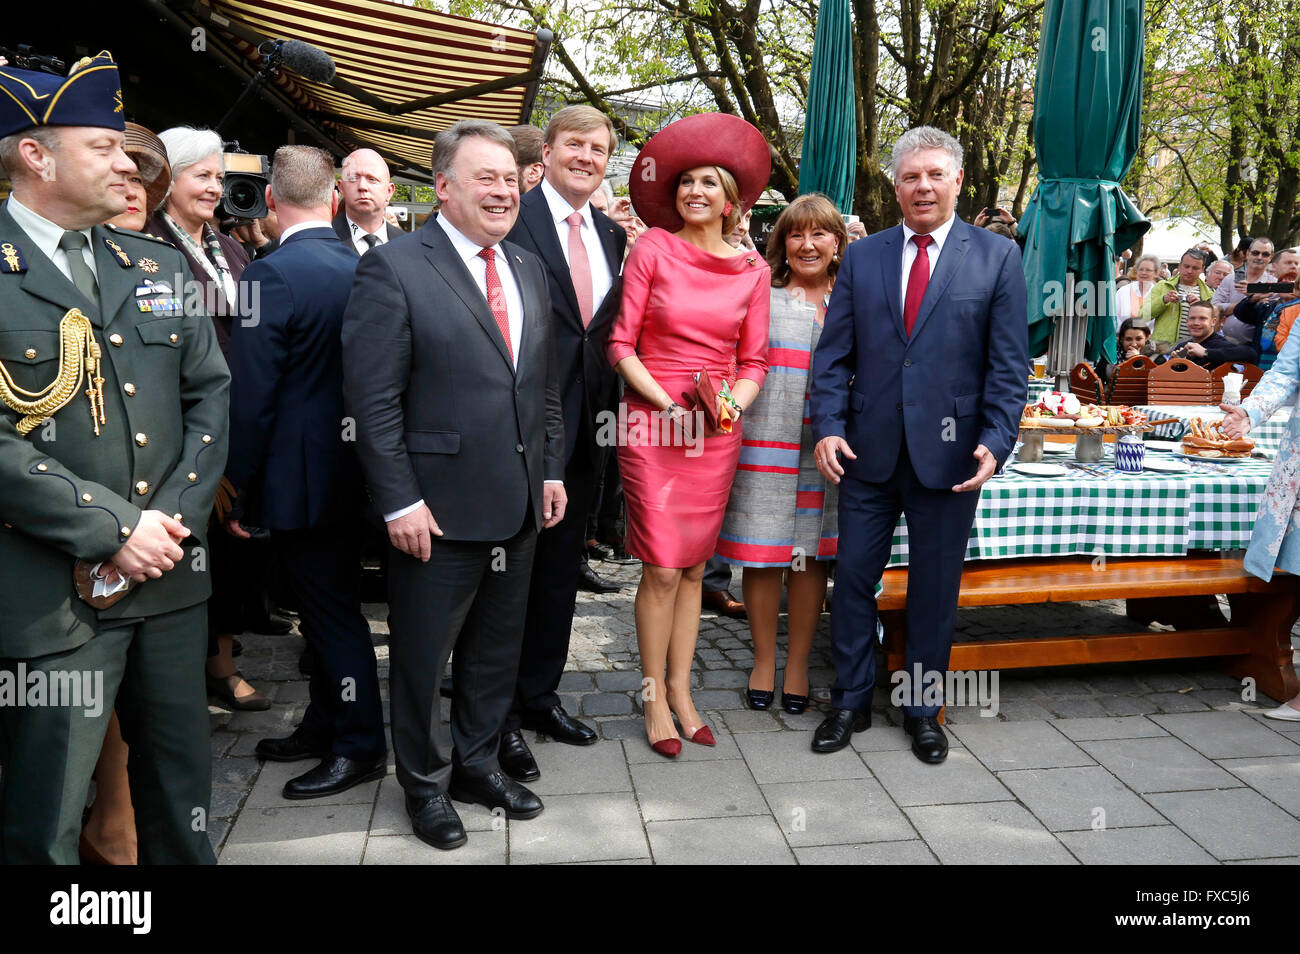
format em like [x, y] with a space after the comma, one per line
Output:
[1165, 314]
[67, 494]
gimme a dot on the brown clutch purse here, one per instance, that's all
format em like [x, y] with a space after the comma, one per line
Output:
[85, 576]
[705, 400]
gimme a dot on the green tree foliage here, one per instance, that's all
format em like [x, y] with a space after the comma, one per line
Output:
[1221, 92]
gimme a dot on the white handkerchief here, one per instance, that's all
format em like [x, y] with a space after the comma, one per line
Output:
[102, 586]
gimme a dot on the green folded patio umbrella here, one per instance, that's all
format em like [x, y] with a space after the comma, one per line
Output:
[1087, 120]
[828, 162]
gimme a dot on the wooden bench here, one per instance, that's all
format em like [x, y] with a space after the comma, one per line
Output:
[1179, 381]
[1129, 382]
[1256, 643]
[1085, 384]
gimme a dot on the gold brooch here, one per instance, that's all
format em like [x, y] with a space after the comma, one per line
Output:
[148, 265]
[117, 250]
[13, 258]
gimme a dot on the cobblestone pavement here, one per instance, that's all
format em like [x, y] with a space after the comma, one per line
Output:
[1143, 763]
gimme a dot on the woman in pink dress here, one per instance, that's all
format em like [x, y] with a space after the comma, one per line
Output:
[691, 302]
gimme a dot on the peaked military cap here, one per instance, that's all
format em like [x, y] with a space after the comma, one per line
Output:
[90, 95]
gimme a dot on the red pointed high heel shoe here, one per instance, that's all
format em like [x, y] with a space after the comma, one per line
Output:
[702, 736]
[669, 748]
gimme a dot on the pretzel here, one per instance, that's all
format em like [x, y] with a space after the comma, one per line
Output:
[1210, 440]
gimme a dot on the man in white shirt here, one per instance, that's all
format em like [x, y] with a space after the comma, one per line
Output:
[366, 188]
[917, 390]
[449, 376]
[582, 251]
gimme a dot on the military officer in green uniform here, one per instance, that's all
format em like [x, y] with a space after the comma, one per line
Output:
[113, 426]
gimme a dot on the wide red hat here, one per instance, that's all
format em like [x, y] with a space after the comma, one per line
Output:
[708, 139]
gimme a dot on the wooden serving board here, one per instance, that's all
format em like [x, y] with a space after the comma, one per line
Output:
[1100, 429]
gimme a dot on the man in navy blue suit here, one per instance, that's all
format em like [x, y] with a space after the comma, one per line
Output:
[918, 386]
[296, 472]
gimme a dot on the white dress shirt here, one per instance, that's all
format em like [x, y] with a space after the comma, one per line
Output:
[359, 236]
[302, 227]
[45, 236]
[939, 236]
[561, 210]
[469, 254]
[468, 251]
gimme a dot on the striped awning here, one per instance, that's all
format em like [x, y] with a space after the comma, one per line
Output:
[403, 73]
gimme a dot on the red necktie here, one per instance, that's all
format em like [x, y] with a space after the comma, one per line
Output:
[496, 297]
[917, 280]
[580, 268]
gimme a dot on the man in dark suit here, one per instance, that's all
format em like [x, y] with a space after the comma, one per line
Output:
[367, 187]
[448, 371]
[115, 468]
[918, 384]
[296, 472]
[582, 250]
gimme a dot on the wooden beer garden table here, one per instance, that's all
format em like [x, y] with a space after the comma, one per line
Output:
[1096, 534]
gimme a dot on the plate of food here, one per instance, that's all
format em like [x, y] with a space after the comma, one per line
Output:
[1041, 470]
[1208, 442]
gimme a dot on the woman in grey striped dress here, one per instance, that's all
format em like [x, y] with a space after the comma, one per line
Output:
[780, 523]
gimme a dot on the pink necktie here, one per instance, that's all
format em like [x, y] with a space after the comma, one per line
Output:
[917, 280]
[580, 268]
[496, 297]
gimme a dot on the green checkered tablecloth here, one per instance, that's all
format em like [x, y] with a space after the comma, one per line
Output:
[1038, 388]
[1210, 508]
[1267, 437]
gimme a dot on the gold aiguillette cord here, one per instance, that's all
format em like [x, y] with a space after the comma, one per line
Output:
[79, 355]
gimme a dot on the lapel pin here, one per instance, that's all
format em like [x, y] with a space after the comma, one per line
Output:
[11, 259]
[122, 258]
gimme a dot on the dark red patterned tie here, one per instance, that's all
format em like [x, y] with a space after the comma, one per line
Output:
[917, 280]
[496, 297]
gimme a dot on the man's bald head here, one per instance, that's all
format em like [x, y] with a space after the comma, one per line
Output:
[366, 188]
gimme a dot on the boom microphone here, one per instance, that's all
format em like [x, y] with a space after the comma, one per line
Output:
[309, 62]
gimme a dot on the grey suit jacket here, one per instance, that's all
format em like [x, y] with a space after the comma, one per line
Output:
[441, 414]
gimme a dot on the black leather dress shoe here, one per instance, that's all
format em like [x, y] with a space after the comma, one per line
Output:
[435, 822]
[292, 748]
[592, 582]
[337, 773]
[560, 726]
[516, 759]
[837, 729]
[497, 791]
[929, 744]
[599, 551]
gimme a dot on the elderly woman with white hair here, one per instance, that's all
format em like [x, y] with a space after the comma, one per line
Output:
[1129, 299]
[216, 261]
[186, 221]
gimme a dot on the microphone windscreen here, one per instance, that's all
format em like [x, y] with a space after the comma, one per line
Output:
[310, 62]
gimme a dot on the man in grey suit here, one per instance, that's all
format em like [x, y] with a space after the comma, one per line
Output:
[448, 372]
